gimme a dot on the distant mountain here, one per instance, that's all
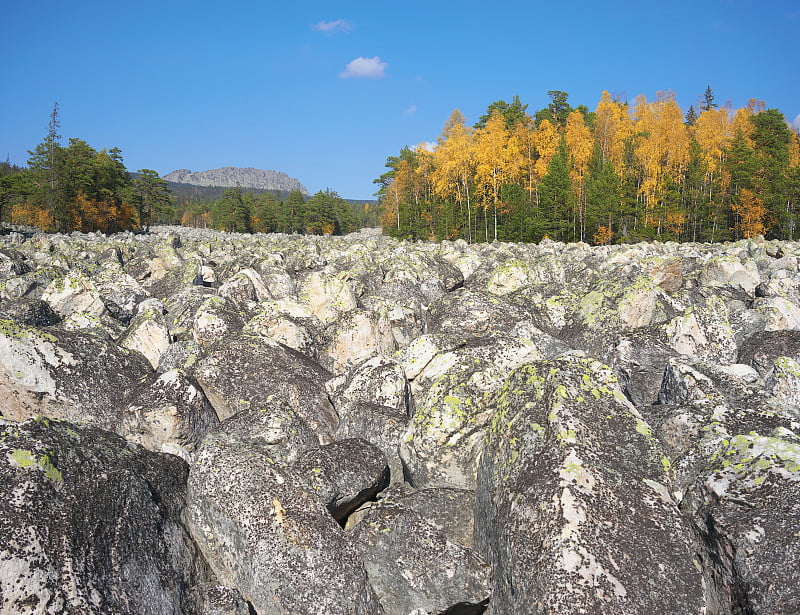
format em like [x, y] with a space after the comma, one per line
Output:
[230, 177]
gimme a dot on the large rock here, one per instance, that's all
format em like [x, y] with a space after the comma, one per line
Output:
[356, 337]
[736, 466]
[91, 524]
[172, 415]
[267, 537]
[379, 380]
[412, 565]
[24, 311]
[703, 331]
[290, 324]
[405, 307]
[148, 333]
[467, 312]
[344, 474]
[246, 371]
[762, 349]
[328, 297]
[72, 375]
[453, 405]
[745, 506]
[573, 509]
[12, 263]
[73, 293]
[728, 270]
[382, 426]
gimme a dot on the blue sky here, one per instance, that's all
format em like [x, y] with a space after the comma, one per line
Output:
[325, 91]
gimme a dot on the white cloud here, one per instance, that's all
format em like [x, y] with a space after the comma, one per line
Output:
[329, 27]
[369, 68]
[429, 146]
[411, 110]
[796, 122]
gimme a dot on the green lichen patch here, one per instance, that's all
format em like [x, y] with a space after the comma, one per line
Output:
[749, 459]
[22, 458]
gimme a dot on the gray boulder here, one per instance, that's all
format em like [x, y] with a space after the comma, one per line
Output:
[246, 371]
[172, 415]
[379, 380]
[381, 426]
[468, 312]
[273, 541]
[355, 337]
[412, 565]
[744, 505]
[290, 324]
[573, 509]
[344, 474]
[91, 524]
[74, 293]
[762, 349]
[453, 395]
[148, 332]
[66, 374]
[403, 305]
[25, 311]
[12, 263]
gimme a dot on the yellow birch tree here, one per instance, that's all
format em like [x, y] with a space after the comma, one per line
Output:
[751, 213]
[454, 164]
[579, 145]
[525, 137]
[713, 132]
[497, 158]
[613, 126]
[662, 151]
[546, 139]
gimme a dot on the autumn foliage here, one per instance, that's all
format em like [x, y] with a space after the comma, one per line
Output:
[78, 188]
[623, 172]
[750, 214]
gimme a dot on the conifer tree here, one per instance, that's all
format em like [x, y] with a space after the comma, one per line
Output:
[691, 117]
[708, 100]
[602, 193]
[151, 195]
[556, 195]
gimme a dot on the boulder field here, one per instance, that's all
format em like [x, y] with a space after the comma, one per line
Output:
[203, 423]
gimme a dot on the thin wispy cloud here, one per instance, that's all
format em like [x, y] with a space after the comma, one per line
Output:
[796, 122]
[366, 68]
[329, 27]
[411, 110]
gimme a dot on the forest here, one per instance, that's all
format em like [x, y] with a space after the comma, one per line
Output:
[620, 173]
[78, 188]
[248, 211]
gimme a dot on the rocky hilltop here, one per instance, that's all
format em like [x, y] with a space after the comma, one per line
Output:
[230, 177]
[195, 422]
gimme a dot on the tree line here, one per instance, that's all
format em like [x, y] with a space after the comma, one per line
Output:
[620, 173]
[78, 188]
[245, 211]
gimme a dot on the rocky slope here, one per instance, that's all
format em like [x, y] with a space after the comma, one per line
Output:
[200, 423]
[231, 177]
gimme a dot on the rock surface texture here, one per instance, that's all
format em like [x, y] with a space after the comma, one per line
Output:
[196, 422]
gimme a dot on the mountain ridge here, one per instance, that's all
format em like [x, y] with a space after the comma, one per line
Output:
[245, 177]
